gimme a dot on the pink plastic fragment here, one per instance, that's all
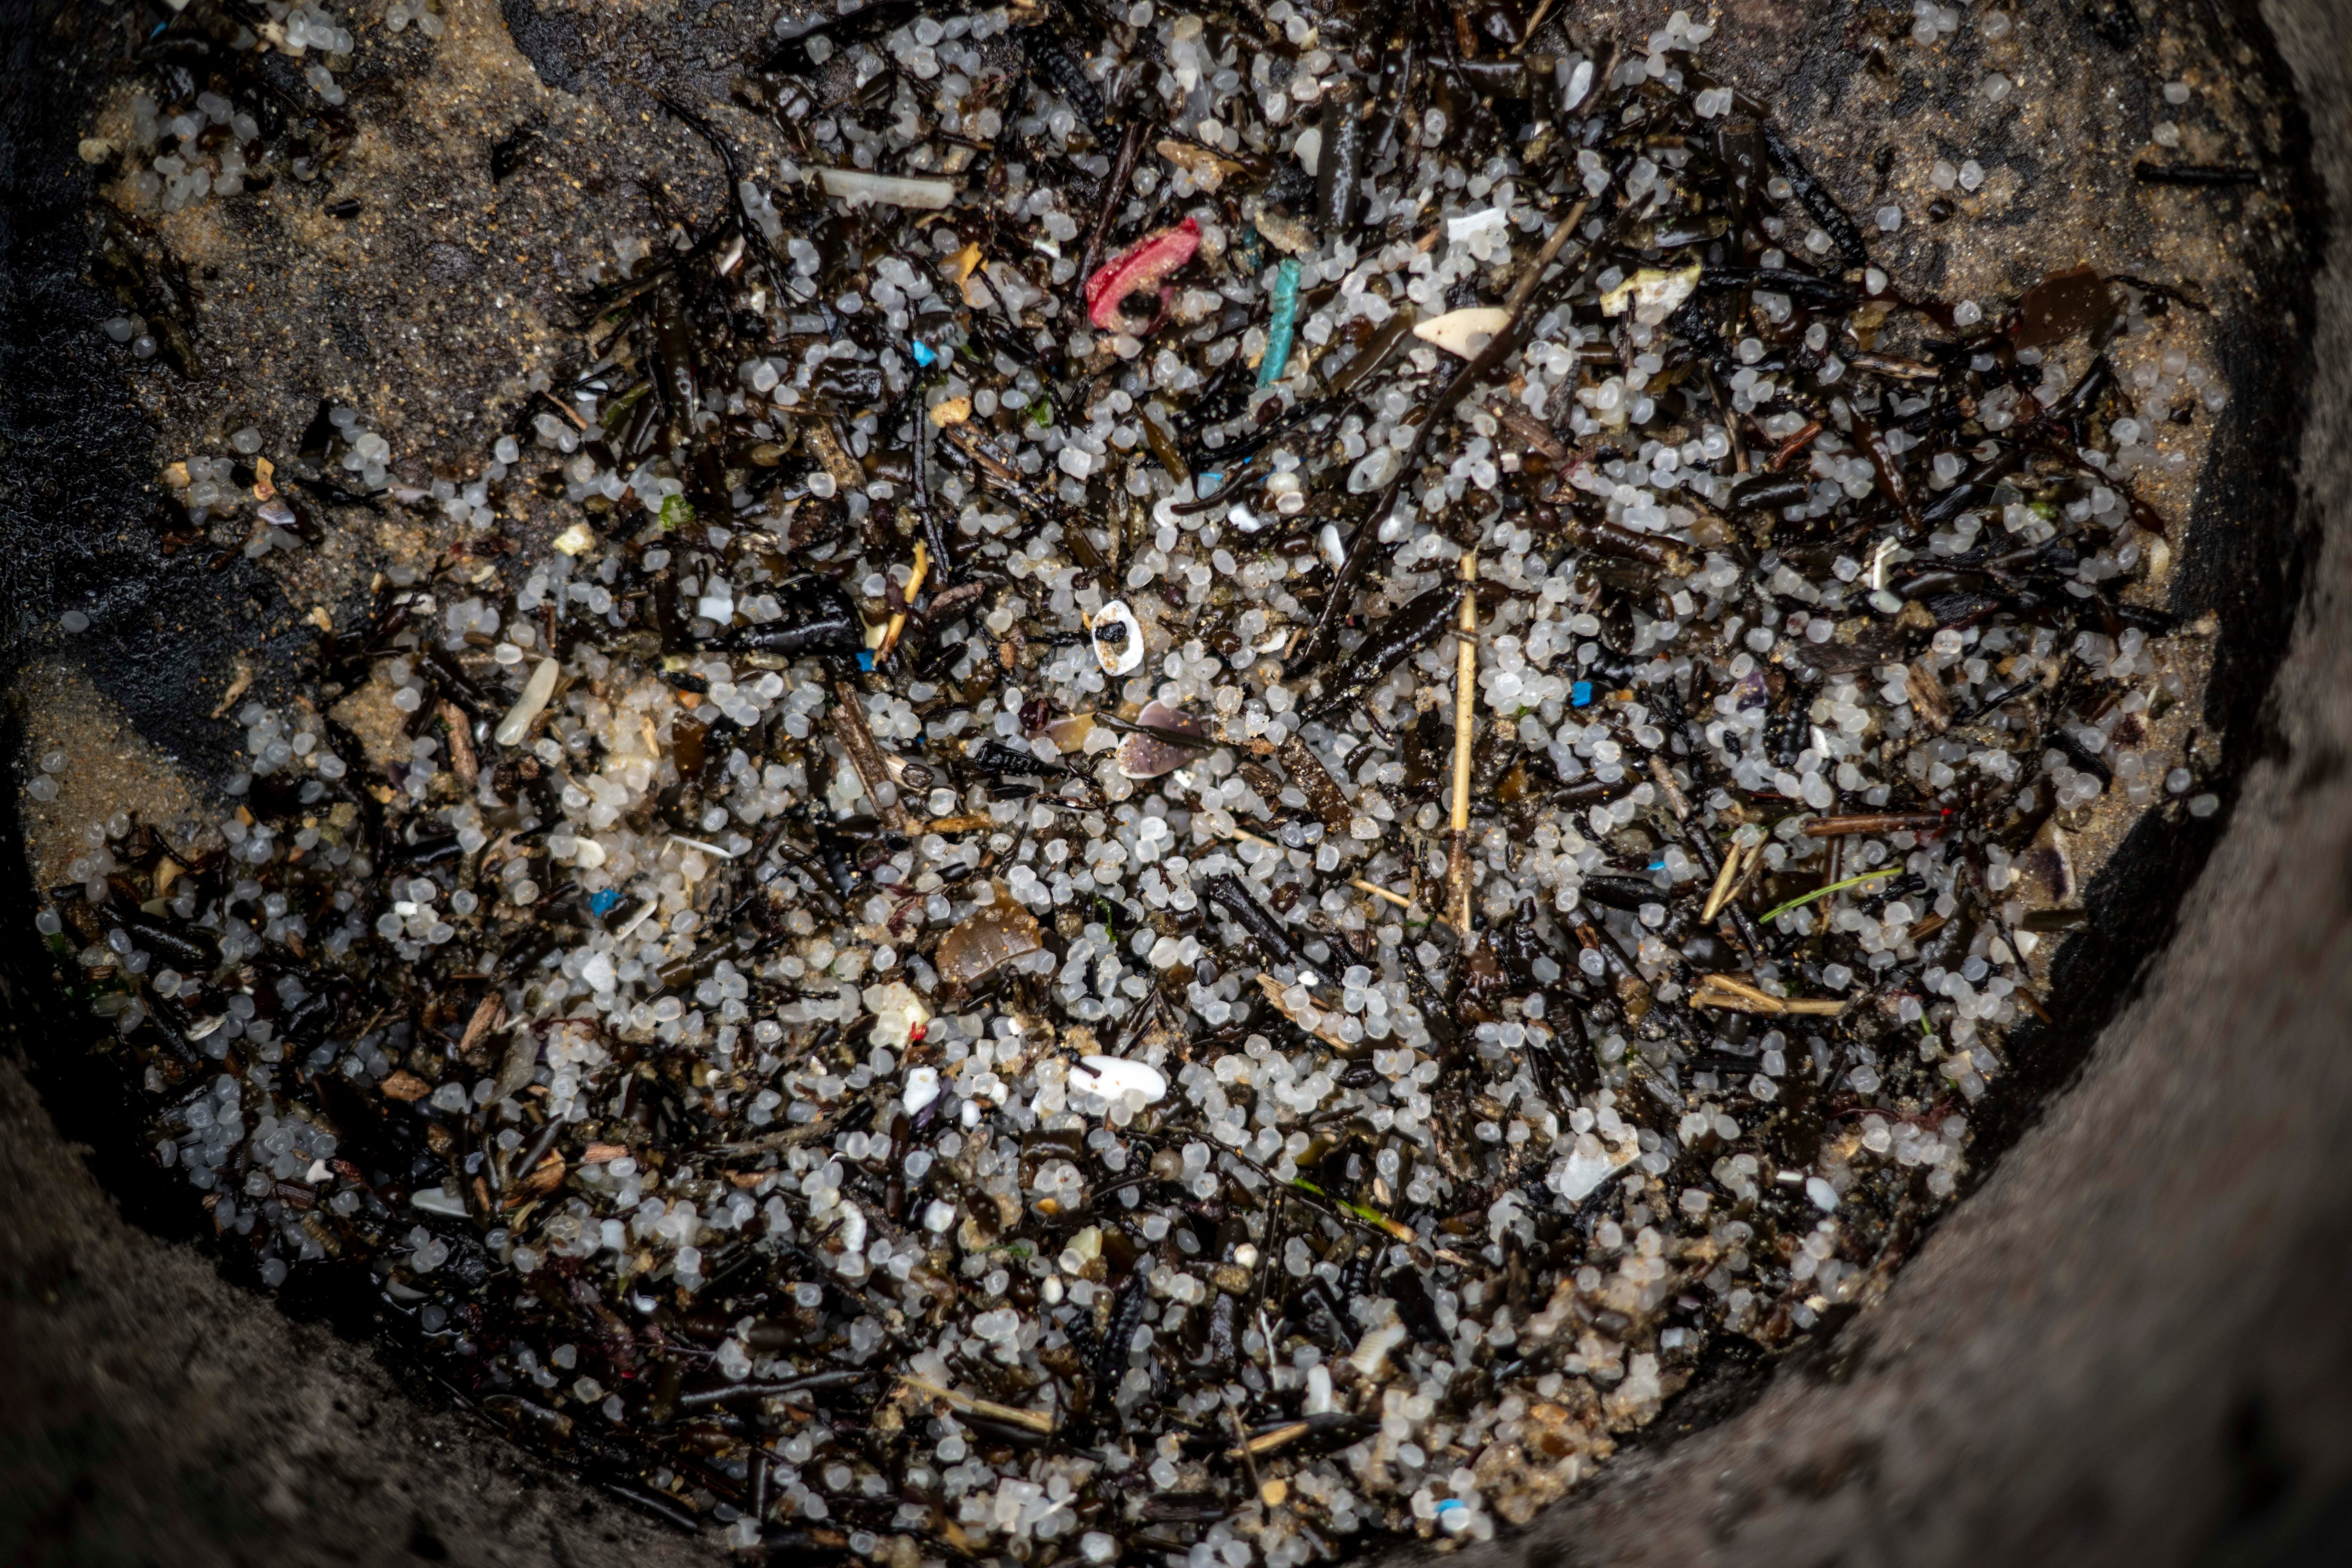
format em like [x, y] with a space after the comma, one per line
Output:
[1140, 268]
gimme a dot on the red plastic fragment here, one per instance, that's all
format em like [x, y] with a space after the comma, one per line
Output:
[1141, 267]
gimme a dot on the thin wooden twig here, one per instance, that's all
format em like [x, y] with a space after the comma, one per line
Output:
[1036, 1421]
[1736, 995]
[1466, 731]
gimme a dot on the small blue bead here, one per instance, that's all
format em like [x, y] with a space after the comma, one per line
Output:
[1581, 694]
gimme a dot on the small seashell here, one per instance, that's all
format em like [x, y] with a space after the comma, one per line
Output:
[1147, 756]
[1069, 733]
[1112, 1076]
[1464, 332]
[1578, 88]
[531, 704]
[993, 936]
[1118, 638]
[1371, 1353]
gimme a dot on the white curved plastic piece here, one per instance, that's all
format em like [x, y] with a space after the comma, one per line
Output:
[1118, 637]
[1464, 332]
[1112, 1076]
[858, 187]
[531, 704]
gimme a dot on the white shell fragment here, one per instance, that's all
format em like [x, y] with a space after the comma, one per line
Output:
[1464, 332]
[1118, 638]
[898, 1014]
[858, 187]
[922, 1088]
[577, 539]
[531, 704]
[1653, 293]
[1112, 1076]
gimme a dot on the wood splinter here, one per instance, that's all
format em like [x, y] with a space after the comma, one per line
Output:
[1466, 729]
[856, 738]
[1739, 996]
[907, 595]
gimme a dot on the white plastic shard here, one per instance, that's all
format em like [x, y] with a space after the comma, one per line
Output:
[1463, 230]
[1112, 1076]
[531, 704]
[1654, 294]
[1464, 332]
[922, 1088]
[436, 1200]
[1334, 549]
[1118, 637]
[858, 187]
[1591, 1163]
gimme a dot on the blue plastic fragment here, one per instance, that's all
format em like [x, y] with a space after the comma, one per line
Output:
[1282, 321]
[924, 356]
[602, 903]
[1581, 694]
[866, 658]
